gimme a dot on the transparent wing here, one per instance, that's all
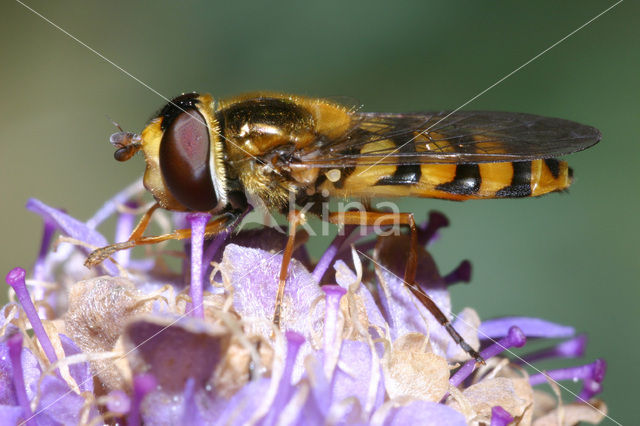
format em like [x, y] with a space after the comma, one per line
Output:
[460, 137]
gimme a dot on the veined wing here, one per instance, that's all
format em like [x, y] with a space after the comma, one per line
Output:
[463, 137]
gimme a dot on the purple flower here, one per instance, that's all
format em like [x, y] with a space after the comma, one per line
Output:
[153, 346]
[58, 397]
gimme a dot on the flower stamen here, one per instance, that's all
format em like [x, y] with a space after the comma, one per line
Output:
[15, 278]
[428, 232]
[198, 222]
[462, 274]
[514, 338]
[572, 348]
[500, 416]
[591, 374]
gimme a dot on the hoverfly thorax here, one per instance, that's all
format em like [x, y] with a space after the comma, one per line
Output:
[183, 152]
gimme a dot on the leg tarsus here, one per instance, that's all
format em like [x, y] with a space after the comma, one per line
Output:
[98, 256]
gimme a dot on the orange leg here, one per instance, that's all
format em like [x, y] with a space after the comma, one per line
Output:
[295, 218]
[137, 232]
[383, 219]
[136, 239]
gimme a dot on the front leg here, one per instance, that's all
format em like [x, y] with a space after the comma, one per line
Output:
[136, 239]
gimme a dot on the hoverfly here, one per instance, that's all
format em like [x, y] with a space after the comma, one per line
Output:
[258, 149]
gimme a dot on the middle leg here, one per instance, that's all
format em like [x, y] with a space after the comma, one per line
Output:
[295, 218]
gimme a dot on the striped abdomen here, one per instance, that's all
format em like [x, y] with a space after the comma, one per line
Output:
[451, 181]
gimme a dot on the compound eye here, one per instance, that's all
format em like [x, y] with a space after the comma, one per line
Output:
[184, 161]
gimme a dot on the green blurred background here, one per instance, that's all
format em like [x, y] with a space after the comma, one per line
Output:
[568, 258]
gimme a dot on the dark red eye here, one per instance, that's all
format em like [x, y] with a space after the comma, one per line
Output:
[184, 161]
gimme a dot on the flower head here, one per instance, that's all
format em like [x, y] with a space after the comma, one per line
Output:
[130, 340]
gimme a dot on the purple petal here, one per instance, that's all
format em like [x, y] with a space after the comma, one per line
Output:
[355, 380]
[111, 206]
[10, 414]
[401, 308]
[254, 276]
[71, 227]
[320, 401]
[285, 387]
[264, 238]
[531, 327]
[7, 392]
[425, 413]
[404, 312]
[161, 407]
[15, 355]
[248, 400]
[174, 350]
[58, 404]
[81, 372]
[142, 265]
[67, 224]
[244, 404]
[39, 270]
[30, 371]
[332, 310]
[191, 414]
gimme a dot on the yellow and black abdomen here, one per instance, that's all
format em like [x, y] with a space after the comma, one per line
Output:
[452, 181]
